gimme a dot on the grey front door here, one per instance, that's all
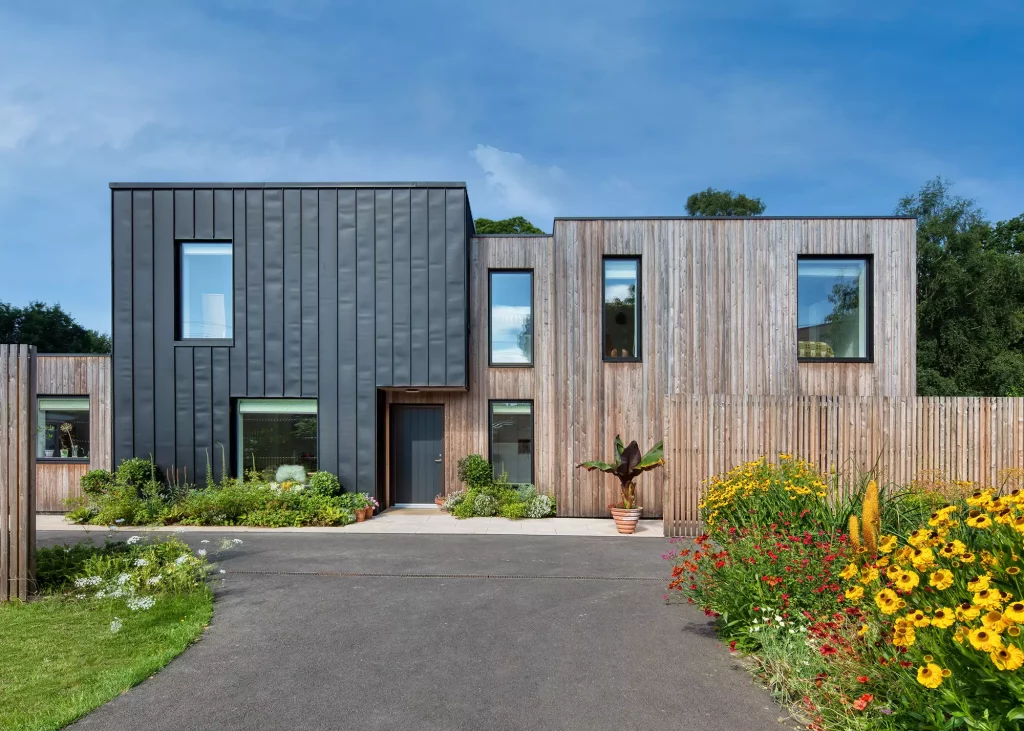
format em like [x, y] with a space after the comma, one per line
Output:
[417, 453]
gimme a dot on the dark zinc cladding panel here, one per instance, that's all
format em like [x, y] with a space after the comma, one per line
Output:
[437, 317]
[366, 378]
[254, 291]
[223, 215]
[310, 265]
[239, 359]
[221, 413]
[383, 288]
[400, 267]
[203, 414]
[121, 242]
[142, 320]
[273, 292]
[346, 370]
[327, 401]
[204, 214]
[184, 414]
[184, 214]
[292, 295]
[455, 287]
[419, 288]
[164, 255]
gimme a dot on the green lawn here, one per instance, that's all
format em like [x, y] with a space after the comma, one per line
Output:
[59, 659]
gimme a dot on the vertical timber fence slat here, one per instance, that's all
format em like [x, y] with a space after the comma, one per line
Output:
[901, 439]
[17, 471]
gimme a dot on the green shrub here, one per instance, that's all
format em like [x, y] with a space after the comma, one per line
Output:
[541, 506]
[135, 472]
[485, 506]
[96, 482]
[324, 483]
[475, 471]
[526, 492]
[513, 511]
[452, 499]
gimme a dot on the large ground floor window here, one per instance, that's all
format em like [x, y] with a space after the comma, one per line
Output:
[275, 432]
[512, 440]
[63, 427]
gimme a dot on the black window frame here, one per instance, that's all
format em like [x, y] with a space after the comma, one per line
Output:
[490, 307]
[639, 357]
[869, 263]
[533, 434]
[179, 245]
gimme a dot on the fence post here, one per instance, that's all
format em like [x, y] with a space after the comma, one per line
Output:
[17, 471]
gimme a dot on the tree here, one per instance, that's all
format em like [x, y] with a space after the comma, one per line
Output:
[514, 225]
[713, 202]
[50, 329]
[970, 296]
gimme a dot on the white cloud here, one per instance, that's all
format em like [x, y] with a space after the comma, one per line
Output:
[517, 186]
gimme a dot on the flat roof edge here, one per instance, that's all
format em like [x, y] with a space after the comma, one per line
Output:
[207, 186]
[731, 218]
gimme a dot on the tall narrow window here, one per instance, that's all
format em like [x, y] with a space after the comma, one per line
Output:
[511, 318]
[833, 308]
[63, 428]
[276, 432]
[205, 295]
[512, 440]
[622, 308]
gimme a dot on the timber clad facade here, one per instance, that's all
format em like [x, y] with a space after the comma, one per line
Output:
[366, 298]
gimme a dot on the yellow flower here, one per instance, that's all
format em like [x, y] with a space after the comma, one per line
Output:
[978, 520]
[887, 601]
[1013, 571]
[919, 538]
[882, 562]
[849, 572]
[967, 557]
[967, 612]
[942, 617]
[903, 633]
[862, 631]
[941, 579]
[906, 580]
[868, 575]
[887, 544]
[1015, 612]
[993, 620]
[930, 675]
[979, 583]
[980, 498]
[1018, 523]
[984, 640]
[922, 558]
[953, 548]
[893, 571]
[919, 618]
[988, 598]
[1007, 658]
[988, 559]
[854, 594]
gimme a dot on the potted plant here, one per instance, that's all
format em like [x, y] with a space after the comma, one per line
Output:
[439, 500]
[372, 506]
[360, 503]
[47, 431]
[66, 429]
[628, 465]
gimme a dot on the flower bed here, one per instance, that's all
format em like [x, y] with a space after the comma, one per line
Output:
[486, 495]
[860, 614]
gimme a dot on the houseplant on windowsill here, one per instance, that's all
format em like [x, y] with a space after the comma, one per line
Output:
[66, 429]
[628, 465]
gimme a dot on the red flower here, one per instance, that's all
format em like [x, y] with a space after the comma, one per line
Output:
[861, 703]
[827, 650]
[732, 646]
[863, 678]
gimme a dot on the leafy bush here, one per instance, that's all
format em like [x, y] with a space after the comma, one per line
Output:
[526, 492]
[452, 499]
[513, 511]
[324, 483]
[475, 471]
[541, 506]
[96, 482]
[485, 505]
[135, 472]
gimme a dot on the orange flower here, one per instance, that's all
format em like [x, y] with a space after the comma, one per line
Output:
[861, 703]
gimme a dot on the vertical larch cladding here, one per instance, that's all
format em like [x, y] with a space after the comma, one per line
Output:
[338, 291]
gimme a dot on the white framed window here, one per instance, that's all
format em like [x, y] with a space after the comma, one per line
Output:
[62, 425]
[205, 293]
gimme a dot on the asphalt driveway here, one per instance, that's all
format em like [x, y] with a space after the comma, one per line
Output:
[314, 631]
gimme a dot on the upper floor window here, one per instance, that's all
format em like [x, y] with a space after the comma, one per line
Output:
[63, 427]
[205, 294]
[833, 308]
[511, 318]
[622, 308]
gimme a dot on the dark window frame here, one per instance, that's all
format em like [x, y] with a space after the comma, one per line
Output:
[66, 460]
[533, 433]
[639, 357]
[236, 454]
[869, 262]
[490, 307]
[179, 340]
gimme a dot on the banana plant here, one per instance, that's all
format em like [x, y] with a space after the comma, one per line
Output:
[628, 465]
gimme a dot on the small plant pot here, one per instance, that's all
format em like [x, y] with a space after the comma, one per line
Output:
[368, 512]
[626, 519]
[48, 452]
[360, 515]
[64, 453]
[439, 502]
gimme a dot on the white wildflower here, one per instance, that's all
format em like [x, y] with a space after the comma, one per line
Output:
[201, 552]
[181, 559]
[133, 540]
[79, 596]
[141, 562]
[116, 625]
[237, 541]
[141, 603]
[88, 581]
[123, 579]
[153, 580]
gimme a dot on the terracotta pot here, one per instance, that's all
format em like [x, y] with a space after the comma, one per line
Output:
[368, 512]
[439, 502]
[625, 518]
[360, 514]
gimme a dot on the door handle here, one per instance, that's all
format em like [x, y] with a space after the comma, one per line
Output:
[438, 460]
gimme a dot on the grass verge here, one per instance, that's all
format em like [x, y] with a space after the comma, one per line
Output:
[60, 659]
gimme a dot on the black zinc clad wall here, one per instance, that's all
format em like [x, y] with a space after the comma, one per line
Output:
[338, 290]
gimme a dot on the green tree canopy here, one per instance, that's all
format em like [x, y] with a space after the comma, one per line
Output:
[50, 329]
[514, 225]
[970, 296]
[713, 202]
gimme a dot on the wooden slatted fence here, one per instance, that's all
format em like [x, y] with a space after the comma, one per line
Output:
[899, 439]
[17, 471]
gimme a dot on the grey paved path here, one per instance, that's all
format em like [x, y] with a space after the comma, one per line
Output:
[444, 650]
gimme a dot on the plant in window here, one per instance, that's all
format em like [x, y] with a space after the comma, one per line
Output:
[67, 430]
[629, 464]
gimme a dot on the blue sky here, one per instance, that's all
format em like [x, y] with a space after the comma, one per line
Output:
[545, 108]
